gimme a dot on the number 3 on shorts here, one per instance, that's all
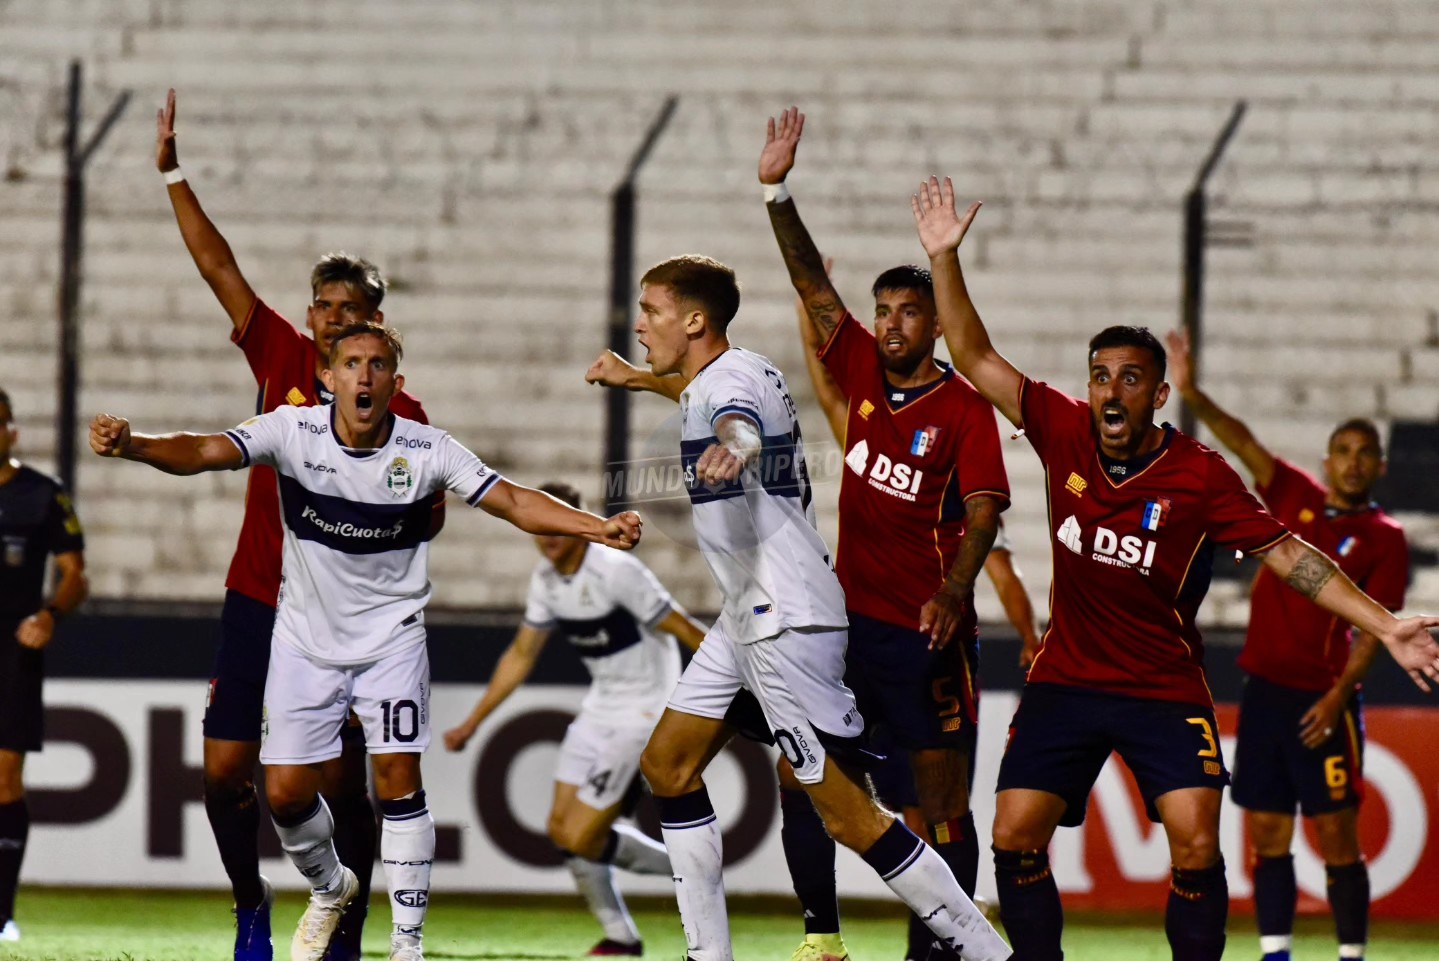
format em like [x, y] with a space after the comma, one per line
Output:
[1207, 732]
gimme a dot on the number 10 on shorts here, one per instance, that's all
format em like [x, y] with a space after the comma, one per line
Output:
[402, 720]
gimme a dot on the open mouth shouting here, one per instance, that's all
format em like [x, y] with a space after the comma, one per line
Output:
[364, 404]
[1114, 421]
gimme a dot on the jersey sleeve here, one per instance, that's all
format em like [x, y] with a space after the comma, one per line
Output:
[537, 611]
[1389, 580]
[1291, 490]
[732, 392]
[464, 473]
[63, 533]
[266, 338]
[638, 591]
[261, 439]
[1047, 414]
[849, 355]
[1235, 517]
[979, 463]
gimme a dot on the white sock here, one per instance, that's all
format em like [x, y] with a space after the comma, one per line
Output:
[1351, 951]
[926, 884]
[1269, 943]
[407, 850]
[692, 837]
[638, 852]
[596, 883]
[311, 847]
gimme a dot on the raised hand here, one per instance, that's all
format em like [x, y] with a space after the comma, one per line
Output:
[1181, 361]
[940, 226]
[109, 435]
[165, 156]
[1411, 644]
[780, 144]
[622, 531]
[458, 736]
[610, 370]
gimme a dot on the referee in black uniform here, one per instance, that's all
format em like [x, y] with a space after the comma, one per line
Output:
[36, 521]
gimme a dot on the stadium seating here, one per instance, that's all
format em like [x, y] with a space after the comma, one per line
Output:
[470, 149]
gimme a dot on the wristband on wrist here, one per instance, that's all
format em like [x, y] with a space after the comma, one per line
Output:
[776, 193]
[174, 176]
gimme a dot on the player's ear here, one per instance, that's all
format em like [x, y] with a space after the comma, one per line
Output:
[1161, 396]
[695, 323]
[327, 377]
[379, 317]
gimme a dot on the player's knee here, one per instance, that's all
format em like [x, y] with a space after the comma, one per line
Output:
[1338, 840]
[226, 774]
[1195, 851]
[287, 798]
[668, 772]
[1012, 835]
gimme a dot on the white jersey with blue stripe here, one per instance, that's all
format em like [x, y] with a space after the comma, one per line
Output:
[758, 533]
[608, 610]
[355, 571]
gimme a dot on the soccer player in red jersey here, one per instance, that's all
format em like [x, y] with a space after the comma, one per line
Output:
[287, 367]
[1301, 732]
[1136, 510]
[919, 504]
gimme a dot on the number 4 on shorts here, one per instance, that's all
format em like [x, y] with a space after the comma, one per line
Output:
[599, 782]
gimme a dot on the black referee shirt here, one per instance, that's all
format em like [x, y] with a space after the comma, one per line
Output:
[36, 520]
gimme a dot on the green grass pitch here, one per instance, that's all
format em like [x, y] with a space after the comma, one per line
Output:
[110, 925]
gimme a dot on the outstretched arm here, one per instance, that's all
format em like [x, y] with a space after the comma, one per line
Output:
[180, 453]
[801, 257]
[511, 671]
[831, 399]
[207, 247]
[1318, 578]
[536, 512]
[1232, 432]
[612, 370]
[941, 230]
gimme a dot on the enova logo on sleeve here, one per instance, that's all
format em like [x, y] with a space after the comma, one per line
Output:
[1108, 547]
[898, 480]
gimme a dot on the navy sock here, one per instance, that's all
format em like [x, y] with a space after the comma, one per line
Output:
[14, 833]
[1197, 912]
[1029, 904]
[1275, 893]
[958, 843]
[895, 850]
[1348, 886]
[809, 852]
[235, 821]
[687, 810]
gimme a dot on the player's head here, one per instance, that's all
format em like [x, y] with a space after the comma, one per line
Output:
[344, 290]
[364, 371]
[554, 547]
[8, 432]
[684, 301]
[906, 323]
[1126, 387]
[1355, 460]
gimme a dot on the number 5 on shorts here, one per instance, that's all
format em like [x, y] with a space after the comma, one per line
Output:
[1207, 732]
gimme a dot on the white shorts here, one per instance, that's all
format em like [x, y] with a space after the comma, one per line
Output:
[798, 679]
[602, 759]
[307, 704]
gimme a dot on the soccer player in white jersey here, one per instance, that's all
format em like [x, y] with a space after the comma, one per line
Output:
[781, 633]
[356, 483]
[623, 624]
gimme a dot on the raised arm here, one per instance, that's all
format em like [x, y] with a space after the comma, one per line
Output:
[831, 399]
[801, 257]
[612, 370]
[207, 247]
[1232, 432]
[514, 666]
[685, 629]
[1318, 578]
[941, 230]
[180, 453]
[536, 512]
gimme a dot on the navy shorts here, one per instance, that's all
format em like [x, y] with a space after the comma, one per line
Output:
[22, 679]
[914, 698]
[1061, 736]
[236, 698]
[1276, 773]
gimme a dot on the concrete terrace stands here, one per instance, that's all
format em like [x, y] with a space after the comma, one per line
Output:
[469, 148]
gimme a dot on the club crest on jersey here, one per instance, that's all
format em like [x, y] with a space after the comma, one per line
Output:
[399, 478]
[1076, 484]
[1155, 513]
[924, 441]
[865, 409]
[295, 397]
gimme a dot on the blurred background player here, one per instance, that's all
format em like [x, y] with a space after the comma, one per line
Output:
[919, 507]
[781, 632]
[623, 624]
[1301, 731]
[357, 485]
[37, 522]
[1121, 666]
[287, 368]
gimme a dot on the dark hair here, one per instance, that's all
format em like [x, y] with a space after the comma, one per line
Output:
[1127, 336]
[702, 281]
[388, 335]
[905, 277]
[355, 272]
[1362, 425]
[565, 492]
